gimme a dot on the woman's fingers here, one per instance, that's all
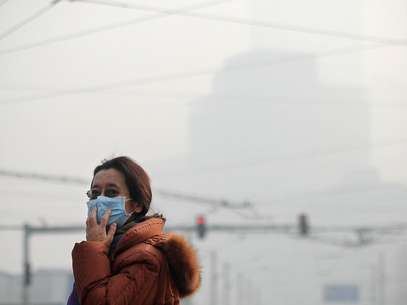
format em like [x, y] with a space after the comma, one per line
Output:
[92, 217]
[105, 218]
[110, 233]
[97, 232]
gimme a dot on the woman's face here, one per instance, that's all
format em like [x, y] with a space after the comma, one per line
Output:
[111, 183]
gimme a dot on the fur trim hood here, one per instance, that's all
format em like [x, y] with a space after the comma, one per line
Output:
[183, 263]
[182, 258]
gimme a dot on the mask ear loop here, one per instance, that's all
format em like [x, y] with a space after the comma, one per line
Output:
[125, 200]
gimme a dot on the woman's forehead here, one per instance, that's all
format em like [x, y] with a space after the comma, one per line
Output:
[107, 177]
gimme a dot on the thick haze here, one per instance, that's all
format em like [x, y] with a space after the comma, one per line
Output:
[301, 111]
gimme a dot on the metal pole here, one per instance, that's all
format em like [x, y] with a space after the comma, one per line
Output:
[226, 284]
[247, 292]
[258, 296]
[382, 279]
[214, 278]
[239, 288]
[189, 236]
[373, 289]
[26, 272]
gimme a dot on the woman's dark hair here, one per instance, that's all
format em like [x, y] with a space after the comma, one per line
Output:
[137, 180]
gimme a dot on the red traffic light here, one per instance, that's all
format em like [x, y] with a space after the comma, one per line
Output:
[200, 220]
[201, 226]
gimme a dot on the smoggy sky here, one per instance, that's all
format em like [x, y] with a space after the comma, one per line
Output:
[67, 105]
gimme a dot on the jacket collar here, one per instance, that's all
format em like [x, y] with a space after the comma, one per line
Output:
[140, 232]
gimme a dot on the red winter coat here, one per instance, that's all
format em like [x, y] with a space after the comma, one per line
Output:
[147, 267]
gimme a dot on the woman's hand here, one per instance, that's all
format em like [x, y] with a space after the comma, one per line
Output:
[97, 232]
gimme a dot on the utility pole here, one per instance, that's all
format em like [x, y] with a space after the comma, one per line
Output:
[382, 279]
[29, 230]
[248, 288]
[258, 296]
[373, 288]
[26, 280]
[239, 289]
[214, 278]
[226, 284]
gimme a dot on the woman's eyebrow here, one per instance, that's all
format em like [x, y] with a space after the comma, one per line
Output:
[96, 186]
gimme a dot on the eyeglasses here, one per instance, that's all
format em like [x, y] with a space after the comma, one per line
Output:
[93, 194]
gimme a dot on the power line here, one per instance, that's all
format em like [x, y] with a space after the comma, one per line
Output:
[392, 228]
[239, 164]
[166, 12]
[28, 20]
[251, 100]
[44, 177]
[361, 231]
[218, 203]
[255, 23]
[5, 87]
[106, 28]
[179, 76]
[221, 203]
[229, 99]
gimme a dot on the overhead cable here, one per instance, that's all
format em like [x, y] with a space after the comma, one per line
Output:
[221, 203]
[184, 75]
[28, 20]
[106, 28]
[250, 22]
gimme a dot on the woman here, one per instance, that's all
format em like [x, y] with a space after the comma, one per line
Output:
[126, 258]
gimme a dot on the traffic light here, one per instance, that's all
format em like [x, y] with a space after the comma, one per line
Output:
[303, 225]
[201, 226]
